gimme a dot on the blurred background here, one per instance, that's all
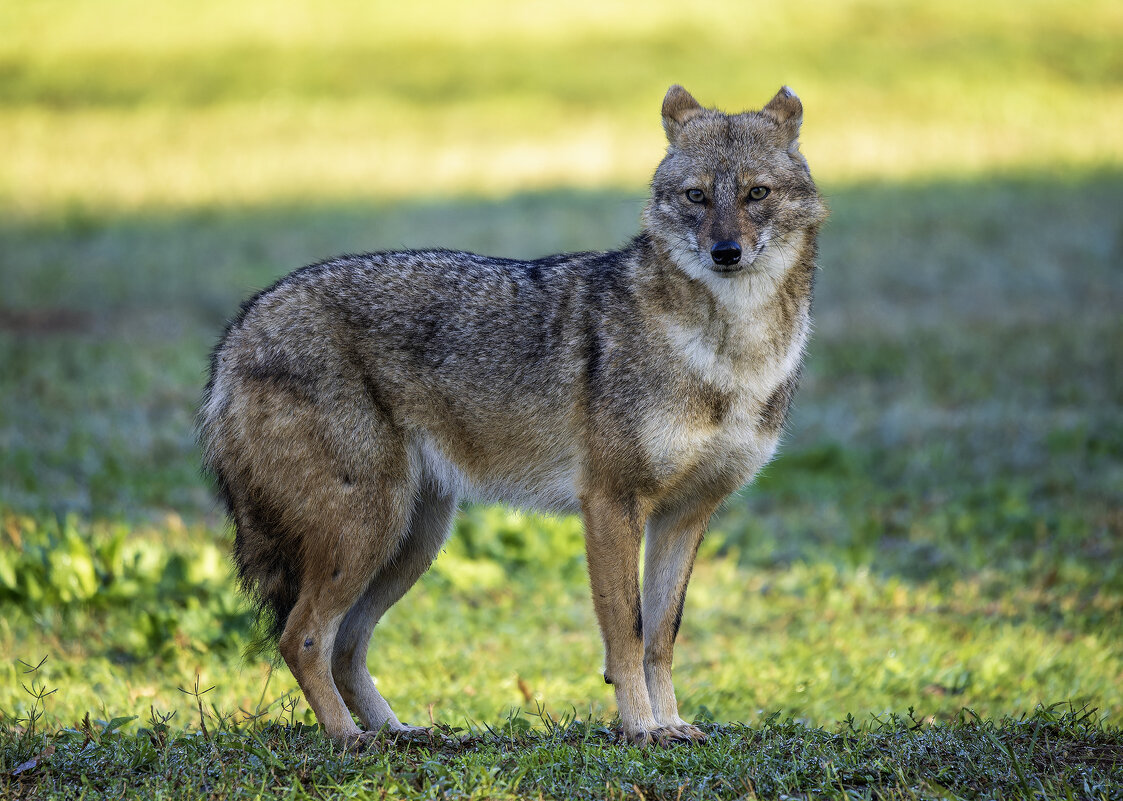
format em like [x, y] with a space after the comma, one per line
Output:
[944, 526]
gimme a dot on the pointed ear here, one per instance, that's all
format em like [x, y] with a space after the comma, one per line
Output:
[679, 106]
[787, 112]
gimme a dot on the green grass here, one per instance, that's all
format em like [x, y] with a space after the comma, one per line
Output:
[922, 597]
[1054, 753]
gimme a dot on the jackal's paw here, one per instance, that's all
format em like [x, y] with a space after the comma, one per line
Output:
[412, 734]
[679, 733]
[378, 739]
[666, 735]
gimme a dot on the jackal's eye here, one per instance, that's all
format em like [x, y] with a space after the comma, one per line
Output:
[758, 193]
[695, 195]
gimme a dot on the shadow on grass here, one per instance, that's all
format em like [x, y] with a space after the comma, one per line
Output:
[961, 401]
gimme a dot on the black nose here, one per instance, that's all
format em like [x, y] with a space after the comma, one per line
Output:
[726, 253]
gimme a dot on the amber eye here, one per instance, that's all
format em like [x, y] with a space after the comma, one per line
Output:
[695, 195]
[758, 193]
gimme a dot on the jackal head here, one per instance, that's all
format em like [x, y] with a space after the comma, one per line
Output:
[733, 189]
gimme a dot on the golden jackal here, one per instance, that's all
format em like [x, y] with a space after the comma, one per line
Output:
[353, 402]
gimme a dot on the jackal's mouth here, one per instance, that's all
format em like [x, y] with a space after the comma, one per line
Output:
[745, 263]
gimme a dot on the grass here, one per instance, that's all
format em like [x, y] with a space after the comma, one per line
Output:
[922, 597]
[1054, 752]
[118, 105]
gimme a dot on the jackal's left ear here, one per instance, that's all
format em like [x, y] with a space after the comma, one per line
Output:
[786, 110]
[679, 107]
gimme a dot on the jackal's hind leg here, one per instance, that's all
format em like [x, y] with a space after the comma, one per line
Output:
[428, 528]
[672, 543]
[339, 556]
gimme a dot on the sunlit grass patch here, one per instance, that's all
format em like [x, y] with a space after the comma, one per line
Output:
[224, 104]
[866, 620]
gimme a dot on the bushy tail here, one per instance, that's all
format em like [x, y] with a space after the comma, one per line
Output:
[266, 552]
[267, 565]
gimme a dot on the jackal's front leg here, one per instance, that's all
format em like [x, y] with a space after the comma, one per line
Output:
[672, 544]
[613, 531]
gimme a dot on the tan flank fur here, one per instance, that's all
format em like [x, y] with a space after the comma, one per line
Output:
[353, 403]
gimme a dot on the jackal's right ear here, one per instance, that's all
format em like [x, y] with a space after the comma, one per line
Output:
[679, 106]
